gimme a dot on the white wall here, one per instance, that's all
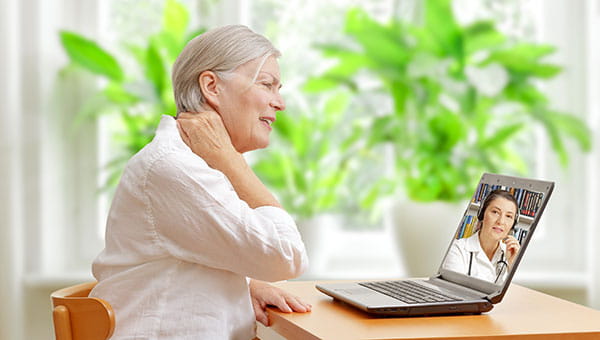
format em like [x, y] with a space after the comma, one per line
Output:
[563, 260]
[10, 179]
[592, 43]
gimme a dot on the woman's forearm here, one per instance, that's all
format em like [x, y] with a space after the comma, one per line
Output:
[245, 182]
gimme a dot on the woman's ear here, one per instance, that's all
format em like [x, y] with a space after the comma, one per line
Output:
[209, 86]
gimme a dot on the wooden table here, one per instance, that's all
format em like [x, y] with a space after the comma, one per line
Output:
[523, 314]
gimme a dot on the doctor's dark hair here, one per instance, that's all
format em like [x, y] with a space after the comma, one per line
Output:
[498, 193]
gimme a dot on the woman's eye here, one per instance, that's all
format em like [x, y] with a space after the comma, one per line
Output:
[267, 85]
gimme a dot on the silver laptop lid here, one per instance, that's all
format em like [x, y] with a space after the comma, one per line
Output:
[465, 263]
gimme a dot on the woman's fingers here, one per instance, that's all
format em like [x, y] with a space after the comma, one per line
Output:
[512, 247]
[205, 134]
[260, 314]
[282, 304]
[298, 305]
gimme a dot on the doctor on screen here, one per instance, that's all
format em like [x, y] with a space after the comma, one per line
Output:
[491, 251]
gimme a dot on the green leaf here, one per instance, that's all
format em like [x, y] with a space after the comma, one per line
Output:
[524, 93]
[400, 93]
[167, 45]
[545, 70]
[572, 126]
[154, 69]
[284, 127]
[508, 156]
[271, 172]
[91, 56]
[175, 19]
[524, 58]
[440, 23]
[320, 84]
[384, 129]
[501, 136]
[357, 134]
[381, 44]
[333, 109]
[137, 52]
[447, 129]
[482, 35]
[349, 61]
[381, 188]
[194, 34]
[116, 93]
[557, 143]
[556, 125]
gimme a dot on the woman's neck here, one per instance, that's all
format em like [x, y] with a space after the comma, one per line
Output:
[489, 247]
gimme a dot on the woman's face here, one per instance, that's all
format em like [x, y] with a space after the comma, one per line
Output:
[498, 219]
[249, 108]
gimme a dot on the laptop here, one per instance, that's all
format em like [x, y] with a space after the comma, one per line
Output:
[452, 290]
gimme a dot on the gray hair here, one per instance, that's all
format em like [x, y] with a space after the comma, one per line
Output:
[220, 50]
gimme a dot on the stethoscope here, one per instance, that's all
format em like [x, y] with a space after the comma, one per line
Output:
[501, 265]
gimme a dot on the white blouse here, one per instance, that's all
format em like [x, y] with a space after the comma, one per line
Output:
[180, 244]
[459, 258]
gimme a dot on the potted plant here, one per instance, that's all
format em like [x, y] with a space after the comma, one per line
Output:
[464, 100]
[310, 164]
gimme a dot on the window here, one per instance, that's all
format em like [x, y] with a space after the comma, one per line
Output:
[68, 170]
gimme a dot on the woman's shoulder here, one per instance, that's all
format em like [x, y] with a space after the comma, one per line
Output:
[465, 239]
[466, 242]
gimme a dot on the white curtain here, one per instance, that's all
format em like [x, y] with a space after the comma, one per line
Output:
[47, 168]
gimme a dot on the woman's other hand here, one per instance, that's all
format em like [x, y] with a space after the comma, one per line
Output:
[264, 294]
[205, 133]
[512, 249]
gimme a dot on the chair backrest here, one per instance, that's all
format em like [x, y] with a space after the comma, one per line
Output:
[79, 317]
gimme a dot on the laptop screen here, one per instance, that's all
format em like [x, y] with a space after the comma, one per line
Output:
[494, 231]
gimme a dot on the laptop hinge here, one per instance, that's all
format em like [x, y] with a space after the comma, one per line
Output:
[452, 286]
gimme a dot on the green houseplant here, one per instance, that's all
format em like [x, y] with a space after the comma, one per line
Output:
[137, 95]
[464, 100]
[311, 160]
[311, 165]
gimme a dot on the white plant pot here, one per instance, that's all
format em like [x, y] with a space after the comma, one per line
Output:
[318, 233]
[423, 232]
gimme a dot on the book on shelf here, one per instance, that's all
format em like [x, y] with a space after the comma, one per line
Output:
[467, 226]
[529, 201]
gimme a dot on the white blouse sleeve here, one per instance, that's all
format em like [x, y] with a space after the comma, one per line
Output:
[198, 217]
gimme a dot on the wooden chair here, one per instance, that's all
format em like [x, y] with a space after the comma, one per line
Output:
[79, 317]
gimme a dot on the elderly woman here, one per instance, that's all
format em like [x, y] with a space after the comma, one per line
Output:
[192, 231]
[491, 251]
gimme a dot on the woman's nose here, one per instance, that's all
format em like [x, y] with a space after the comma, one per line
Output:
[278, 103]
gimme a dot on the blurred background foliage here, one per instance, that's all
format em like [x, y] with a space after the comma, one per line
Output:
[465, 100]
[138, 95]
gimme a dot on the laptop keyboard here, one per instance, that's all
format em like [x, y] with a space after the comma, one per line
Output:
[409, 291]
